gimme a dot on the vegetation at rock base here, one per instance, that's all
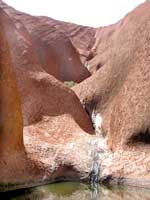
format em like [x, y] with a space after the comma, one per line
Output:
[70, 83]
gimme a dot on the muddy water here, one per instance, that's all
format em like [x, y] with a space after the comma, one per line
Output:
[77, 191]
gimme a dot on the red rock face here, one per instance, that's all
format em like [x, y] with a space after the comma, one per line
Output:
[14, 161]
[53, 117]
[54, 139]
[55, 51]
[117, 95]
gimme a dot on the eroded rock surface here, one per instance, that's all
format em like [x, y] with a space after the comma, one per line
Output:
[56, 143]
[53, 46]
[14, 162]
[55, 140]
[118, 94]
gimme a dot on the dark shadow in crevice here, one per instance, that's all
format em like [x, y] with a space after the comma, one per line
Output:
[99, 66]
[90, 56]
[141, 137]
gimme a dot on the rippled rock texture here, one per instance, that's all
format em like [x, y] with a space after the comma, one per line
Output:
[47, 128]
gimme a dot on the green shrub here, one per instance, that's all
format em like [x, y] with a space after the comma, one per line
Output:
[70, 83]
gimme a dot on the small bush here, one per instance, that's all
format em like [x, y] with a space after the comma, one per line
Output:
[70, 83]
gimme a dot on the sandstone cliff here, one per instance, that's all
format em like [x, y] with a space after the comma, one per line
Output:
[14, 162]
[117, 95]
[53, 44]
[55, 139]
[55, 124]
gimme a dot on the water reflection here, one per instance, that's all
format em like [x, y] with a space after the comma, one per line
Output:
[77, 191]
[95, 192]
